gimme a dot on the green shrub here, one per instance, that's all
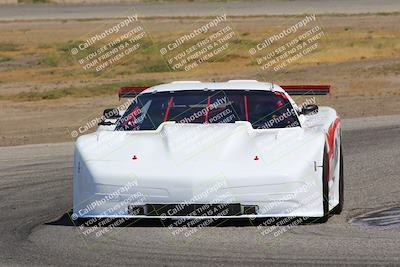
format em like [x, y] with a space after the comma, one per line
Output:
[8, 47]
[51, 60]
[5, 59]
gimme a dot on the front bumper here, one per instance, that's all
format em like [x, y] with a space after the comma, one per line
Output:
[301, 201]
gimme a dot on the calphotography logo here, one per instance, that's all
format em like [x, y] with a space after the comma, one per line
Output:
[111, 46]
[94, 122]
[99, 216]
[281, 49]
[202, 42]
[114, 29]
[276, 37]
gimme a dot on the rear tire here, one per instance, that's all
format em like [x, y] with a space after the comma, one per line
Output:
[339, 207]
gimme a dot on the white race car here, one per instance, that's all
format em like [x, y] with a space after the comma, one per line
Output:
[193, 150]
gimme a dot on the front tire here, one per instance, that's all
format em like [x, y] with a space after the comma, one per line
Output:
[325, 188]
[339, 207]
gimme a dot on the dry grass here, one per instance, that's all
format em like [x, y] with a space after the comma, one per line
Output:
[51, 42]
[75, 92]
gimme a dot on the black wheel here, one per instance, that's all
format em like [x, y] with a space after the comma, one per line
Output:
[78, 221]
[325, 189]
[339, 207]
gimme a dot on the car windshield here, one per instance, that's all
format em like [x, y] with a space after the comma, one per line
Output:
[263, 109]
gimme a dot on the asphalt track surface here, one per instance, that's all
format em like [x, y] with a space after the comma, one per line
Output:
[182, 9]
[36, 194]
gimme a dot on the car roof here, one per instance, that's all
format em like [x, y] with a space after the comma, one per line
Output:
[229, 85]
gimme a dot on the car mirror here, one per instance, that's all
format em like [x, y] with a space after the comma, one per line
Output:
[310, 109]
[111, 113]
[105, 123]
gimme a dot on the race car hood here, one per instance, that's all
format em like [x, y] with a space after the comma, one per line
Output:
[175, 161]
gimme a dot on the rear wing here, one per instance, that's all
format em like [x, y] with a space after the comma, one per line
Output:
[306, 89]
[133, 91]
